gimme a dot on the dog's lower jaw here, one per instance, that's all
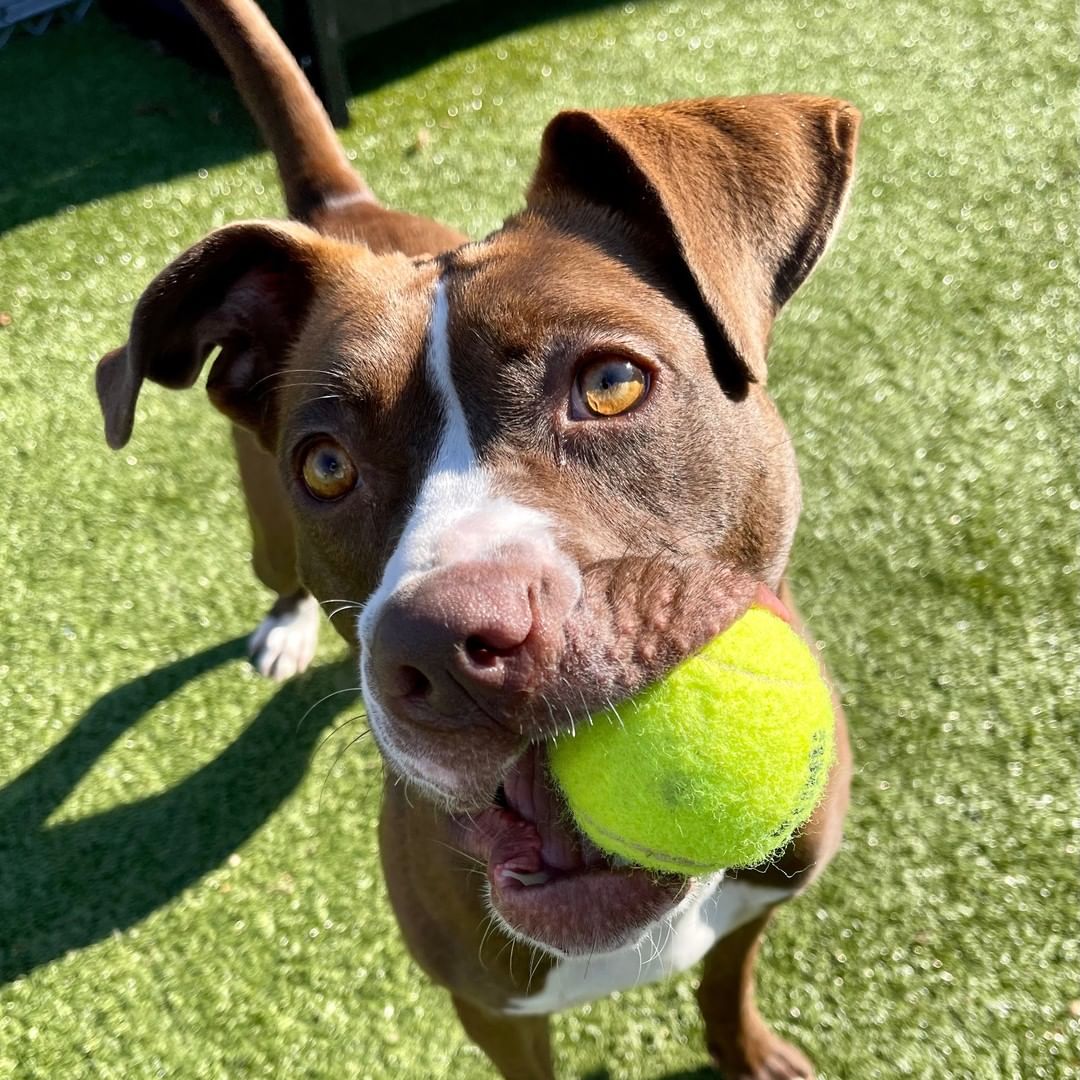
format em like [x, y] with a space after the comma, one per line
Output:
[714, 908]
[543, 881]
[689, 890]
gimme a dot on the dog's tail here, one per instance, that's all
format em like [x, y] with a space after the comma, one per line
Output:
[313, 167]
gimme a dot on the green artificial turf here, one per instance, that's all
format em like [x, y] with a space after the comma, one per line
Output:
[189, 884]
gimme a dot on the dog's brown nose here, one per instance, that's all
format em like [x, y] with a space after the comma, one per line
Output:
[468, 640]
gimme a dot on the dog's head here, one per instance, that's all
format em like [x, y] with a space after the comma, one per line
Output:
[545, 463]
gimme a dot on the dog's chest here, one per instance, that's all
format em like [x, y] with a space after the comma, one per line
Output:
[669, 947]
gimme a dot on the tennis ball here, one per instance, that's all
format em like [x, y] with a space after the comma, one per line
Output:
[714, 767]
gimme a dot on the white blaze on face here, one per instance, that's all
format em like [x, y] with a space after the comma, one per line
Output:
[456, 518]
[454, 487]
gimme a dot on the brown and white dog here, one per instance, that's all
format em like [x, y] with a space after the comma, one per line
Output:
[544, 468]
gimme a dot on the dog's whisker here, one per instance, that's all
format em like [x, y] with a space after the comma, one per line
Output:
[333, 765]
[327, 697]
[459, 851]
[338, 392]
[338, 610]
[538, 958]
[492, 923]
[611, 707]
[327, 379]
[468, 871]
[585, 710]
[508, 944]
[552, 724]
[655, 943]
[326, 372]
[344, 724]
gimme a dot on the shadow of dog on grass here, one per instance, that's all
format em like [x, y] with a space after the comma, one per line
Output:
[69, 885]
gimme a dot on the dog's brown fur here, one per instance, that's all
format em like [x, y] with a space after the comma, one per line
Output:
[682, 227]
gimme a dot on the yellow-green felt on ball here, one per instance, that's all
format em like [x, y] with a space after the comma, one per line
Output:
[714, 767]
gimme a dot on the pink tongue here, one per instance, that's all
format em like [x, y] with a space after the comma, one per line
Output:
[532, 796]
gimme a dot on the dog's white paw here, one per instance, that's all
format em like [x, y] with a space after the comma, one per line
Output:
[284, 643]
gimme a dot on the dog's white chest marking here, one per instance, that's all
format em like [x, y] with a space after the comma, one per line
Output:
[668, 948]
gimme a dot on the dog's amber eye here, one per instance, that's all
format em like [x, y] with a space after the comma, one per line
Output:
[327, 469]
[611, 386]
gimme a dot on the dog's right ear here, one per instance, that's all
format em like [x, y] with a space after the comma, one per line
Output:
[245, 288]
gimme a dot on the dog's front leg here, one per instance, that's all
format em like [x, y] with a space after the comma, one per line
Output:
[739, 1041]
[738, 1038]
[283, 644]
[519, 1046]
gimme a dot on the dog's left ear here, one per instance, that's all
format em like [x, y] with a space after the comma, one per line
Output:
[736, 196]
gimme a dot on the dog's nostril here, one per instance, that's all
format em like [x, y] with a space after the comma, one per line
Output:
[413, 683]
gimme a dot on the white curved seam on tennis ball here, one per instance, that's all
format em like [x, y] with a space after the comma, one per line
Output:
[680, 864]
